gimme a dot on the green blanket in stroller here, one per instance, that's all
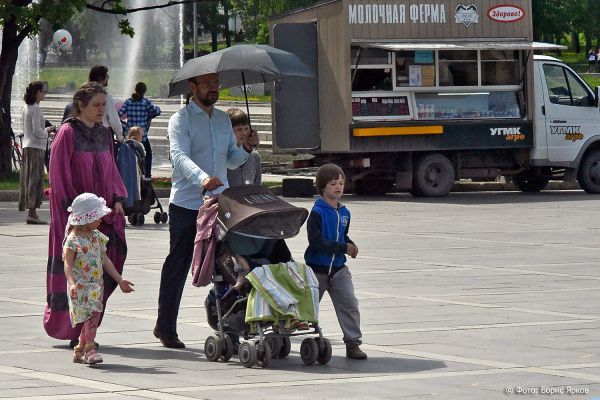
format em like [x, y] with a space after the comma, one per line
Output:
[283, 292]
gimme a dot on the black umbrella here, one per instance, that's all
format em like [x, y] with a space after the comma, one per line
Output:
[240, 65]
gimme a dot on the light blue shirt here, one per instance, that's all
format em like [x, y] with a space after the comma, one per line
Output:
[201, 145]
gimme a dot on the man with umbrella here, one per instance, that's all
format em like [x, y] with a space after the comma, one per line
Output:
[202, 146]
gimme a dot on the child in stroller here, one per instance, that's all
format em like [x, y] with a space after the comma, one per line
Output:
[258, 291]
[142, 198]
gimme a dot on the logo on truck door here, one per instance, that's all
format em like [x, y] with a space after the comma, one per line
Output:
[572, 133]
[466, 14]
[512, 134]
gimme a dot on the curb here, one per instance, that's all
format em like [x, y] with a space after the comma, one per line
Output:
[13, 195]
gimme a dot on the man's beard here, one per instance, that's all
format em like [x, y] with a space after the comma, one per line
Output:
[207, 101]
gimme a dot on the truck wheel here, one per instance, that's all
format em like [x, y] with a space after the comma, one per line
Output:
[373, 186]
[433, 176]
[589, 173]
[530, 183]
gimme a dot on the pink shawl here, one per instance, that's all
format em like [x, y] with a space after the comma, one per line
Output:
[203, 260]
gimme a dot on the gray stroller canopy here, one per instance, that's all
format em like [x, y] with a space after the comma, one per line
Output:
[256, 212]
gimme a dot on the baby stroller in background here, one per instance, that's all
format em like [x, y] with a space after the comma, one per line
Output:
[253, 223]
[142, 197]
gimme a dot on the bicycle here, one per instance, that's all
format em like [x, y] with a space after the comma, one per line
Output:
[17, 151]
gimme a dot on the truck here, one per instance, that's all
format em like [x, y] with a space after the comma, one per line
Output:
[413, 95]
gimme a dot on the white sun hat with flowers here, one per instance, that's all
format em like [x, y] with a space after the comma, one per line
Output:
[87, 208]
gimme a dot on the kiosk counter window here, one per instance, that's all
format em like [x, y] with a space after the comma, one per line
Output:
[467, 105]
[439, 84]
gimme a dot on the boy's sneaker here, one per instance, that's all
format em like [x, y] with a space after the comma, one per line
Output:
[354, 352]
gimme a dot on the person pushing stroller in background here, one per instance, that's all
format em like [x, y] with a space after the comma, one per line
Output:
[328, 242]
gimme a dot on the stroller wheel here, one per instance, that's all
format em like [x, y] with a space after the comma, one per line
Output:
[140, 219]
[286, 347]
[309, 351]
[157, 217]
[248, 354]
[164, 217]
[213, 348]
[324, 350]
[227, 347]
[275, 343]
[132, 219]
[264, 355]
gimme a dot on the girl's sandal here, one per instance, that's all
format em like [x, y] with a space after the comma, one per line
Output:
[92, 356]
[78, 355]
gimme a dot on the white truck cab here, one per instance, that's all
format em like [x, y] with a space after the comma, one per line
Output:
[567, 123]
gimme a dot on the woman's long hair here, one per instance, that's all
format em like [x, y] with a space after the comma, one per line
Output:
[31, 91]
[140, 91]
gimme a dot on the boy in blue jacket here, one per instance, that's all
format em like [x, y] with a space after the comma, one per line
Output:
[328, 242]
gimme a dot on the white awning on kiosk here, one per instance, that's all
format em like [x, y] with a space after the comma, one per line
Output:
[462, 45]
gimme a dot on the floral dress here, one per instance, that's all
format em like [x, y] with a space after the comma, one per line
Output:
[87, 271]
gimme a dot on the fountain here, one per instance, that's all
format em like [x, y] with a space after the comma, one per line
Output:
[157, 45]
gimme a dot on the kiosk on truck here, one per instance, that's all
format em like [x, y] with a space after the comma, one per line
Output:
[413, 95]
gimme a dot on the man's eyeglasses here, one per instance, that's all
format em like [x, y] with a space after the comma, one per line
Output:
[216, 84]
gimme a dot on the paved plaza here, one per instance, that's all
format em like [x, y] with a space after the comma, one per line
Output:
[473, 296]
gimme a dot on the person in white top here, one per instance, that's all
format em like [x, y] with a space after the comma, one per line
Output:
[35, 139]
[99, 73]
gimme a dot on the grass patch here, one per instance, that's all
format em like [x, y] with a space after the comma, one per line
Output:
[73, 78]
[9, 181]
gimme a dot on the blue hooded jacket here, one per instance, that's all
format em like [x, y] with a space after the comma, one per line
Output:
[327, 237]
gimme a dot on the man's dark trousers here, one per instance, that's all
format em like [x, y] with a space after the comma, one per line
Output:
[182, 231]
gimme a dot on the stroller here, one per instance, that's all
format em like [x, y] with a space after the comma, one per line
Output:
[142, 197]
[252, 224]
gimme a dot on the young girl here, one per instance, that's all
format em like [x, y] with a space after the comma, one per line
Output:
[84, 255]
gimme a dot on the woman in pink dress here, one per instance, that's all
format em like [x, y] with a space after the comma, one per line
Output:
[82, 160]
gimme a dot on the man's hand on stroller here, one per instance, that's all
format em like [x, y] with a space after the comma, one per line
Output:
[211, 183]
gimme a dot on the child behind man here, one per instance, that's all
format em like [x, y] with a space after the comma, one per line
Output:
[249, 173]
[84, 255]
[328, 241]
[134, 139]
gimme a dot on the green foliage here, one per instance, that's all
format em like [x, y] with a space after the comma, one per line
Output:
[256, 13]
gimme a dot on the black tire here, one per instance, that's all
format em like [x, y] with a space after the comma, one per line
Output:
[141, 219]
[157, 217]
[132, 219]
[309, 351]
[263, 355]
[275, 343]
[373, 186]
[589, 172]
[286, 347]
[529, 183]
[325, 350]
[164, 217]
[248, 354]
[227, 347]
[433, 176]
[213, 348]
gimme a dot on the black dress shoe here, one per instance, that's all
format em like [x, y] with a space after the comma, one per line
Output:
[171, 342]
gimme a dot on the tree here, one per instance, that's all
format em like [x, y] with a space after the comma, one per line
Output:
[255, 14]
[21, 19]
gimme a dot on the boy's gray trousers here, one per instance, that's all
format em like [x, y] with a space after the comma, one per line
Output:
[341, 291]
